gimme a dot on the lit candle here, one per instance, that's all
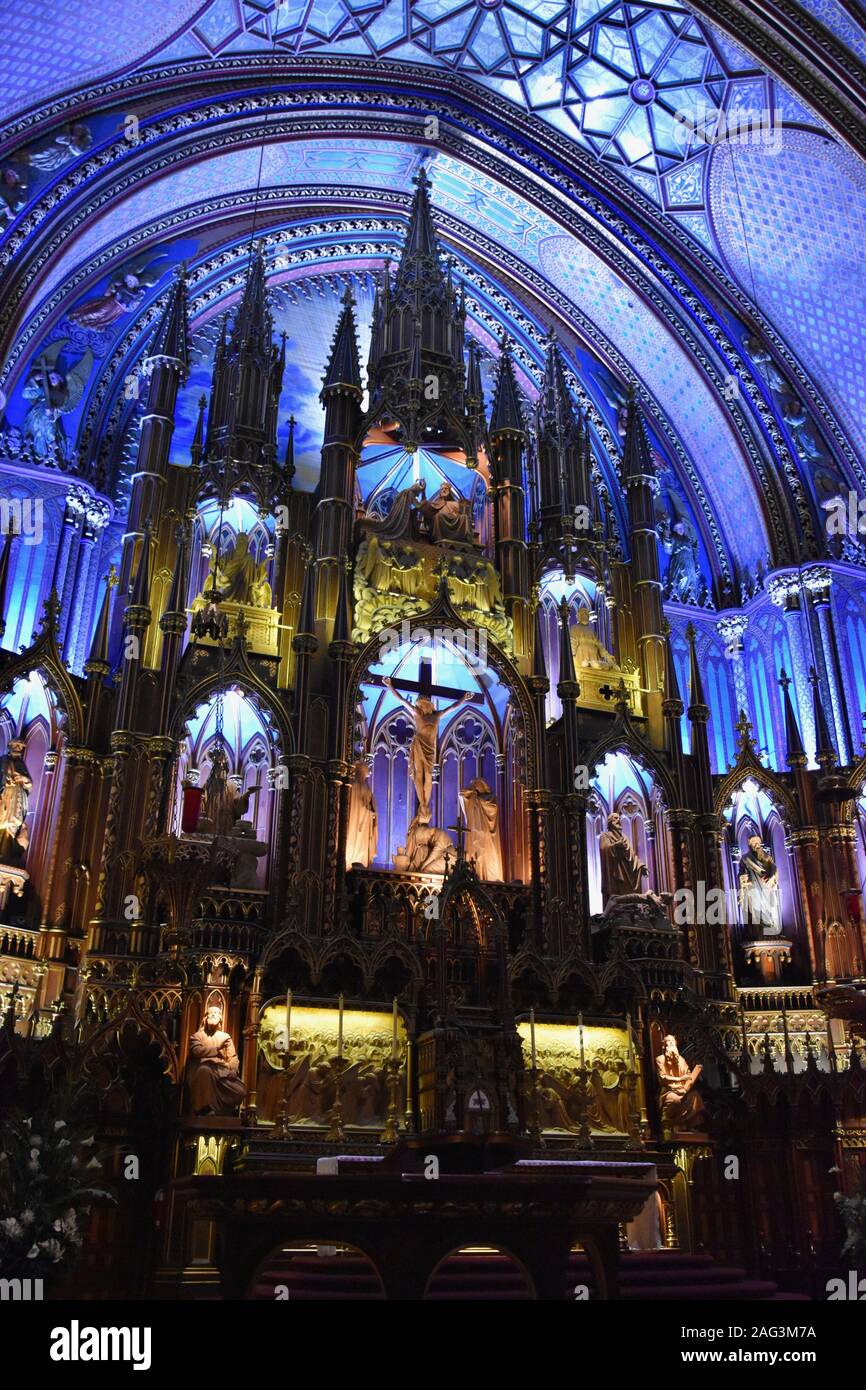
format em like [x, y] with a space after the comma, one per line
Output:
[630, 1044]
[394, 1029]
[340, 1029]
[532, 1037]
[288, 1024]
[580, 1027]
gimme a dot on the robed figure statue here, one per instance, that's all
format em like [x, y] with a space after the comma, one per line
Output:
[622, 873]
[16, 785]
[215, 1087]
[223, 805]
[759, 889]
[481, 814]
[681, 1105]
[362, 837]
[448, 516]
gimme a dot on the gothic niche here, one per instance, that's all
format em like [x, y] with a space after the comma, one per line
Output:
[29, 737]
[678, 538]
[436, 726]
[417, 513]
[760, 885]
[623, 789]
[231, 573]
[596, 665]
[227, 779]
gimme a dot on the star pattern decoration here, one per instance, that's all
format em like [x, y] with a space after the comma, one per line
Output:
[635, 85]
[626, 81]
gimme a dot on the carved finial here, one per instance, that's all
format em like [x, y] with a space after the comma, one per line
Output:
[50, 612]
[743, 727]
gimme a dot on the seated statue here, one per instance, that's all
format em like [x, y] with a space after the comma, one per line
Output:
[481, 814]
[622, 873]
[681, 1106]
[448, 516]
[589, 653]
[215, 1088]
[15, 787]
[430, 851]
[239, 577]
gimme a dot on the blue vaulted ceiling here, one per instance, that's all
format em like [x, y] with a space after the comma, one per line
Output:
[721, 279]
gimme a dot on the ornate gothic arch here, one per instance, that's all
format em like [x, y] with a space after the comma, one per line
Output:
[43, 656]
[624, 737]
[442, 614]
[682, 303]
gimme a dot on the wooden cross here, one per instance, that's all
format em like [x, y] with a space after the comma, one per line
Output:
[425, 686]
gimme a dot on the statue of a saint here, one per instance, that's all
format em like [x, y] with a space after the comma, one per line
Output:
[431, 851]
[240, 578]
[621, 870]
[681, 1106]
[422, 753]
[589, 652]
[448, 516]
[680, 540]
[481, 814]
[215, 1088]
[759, 889]
[362, 838]
[399, 524]
[15, 787]
[223, 805]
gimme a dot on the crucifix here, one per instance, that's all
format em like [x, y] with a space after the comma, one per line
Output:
[426, 717]
[460, 831]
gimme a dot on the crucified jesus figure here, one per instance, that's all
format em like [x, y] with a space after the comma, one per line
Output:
[422, 754]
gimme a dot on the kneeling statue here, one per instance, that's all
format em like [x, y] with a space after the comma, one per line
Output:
[215, 1088]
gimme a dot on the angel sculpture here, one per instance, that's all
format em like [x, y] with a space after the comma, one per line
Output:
[54, 392]
[762, 361]
[125, 292]
[679, 539]
[797, 419]
[61, 149]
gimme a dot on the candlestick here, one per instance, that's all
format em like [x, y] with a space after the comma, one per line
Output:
[630, 1043]
[394, 1048]
[532, 1037]
[340, 1029]
[288, 1024]
[580, 1026]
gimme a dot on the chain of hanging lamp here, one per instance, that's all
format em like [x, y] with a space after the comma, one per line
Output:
[219, 736]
